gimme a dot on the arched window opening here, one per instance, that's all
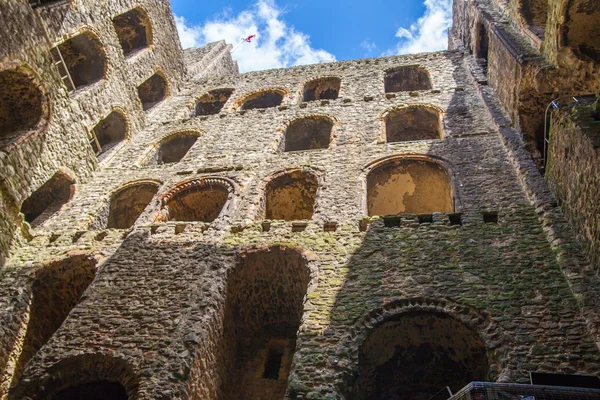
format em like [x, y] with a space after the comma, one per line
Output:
[84, 58]
[55, 292]
[134, 31]
[291, 196]
[173, 149]
[201, 201]
[322, 89]
[100, 390]
[482, 46]
[20, 104]
[535, 14]
[48, 199]
[308, 133]
[152, 91]
[415, 355]
[212, 102]
[408, 78]
[583, 30]
[413, 123]
[109, 132]
[408, 186]
[263, 100]
[265, 296]
[126, 206]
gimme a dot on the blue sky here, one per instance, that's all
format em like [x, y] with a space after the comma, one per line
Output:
[294, 32]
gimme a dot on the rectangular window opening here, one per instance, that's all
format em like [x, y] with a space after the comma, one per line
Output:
[425, 218]
[273, 363]
[391, 222]
[490, 217]
[455, 219]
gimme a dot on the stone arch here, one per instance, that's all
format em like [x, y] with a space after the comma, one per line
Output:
[264, 306]
[322, 89]
[261, 99]
[197, 200]
[417, 122]
[153, 90]
[48, 198]
[24, 108]
[55, 291]
[412, 348]
[212, 102]
[406, 78]
[409, 184]
[173, 148]
[308, 133]
[582, 30]
[291, 195]
[134, 30]
[126, 205]
[109, 133]
[535, 14]
[84, 58]
[90, 376]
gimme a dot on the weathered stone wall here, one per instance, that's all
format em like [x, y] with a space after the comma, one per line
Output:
[153, 318]
[214, 59]
[61, 141]
[527, 70]
[574, 172]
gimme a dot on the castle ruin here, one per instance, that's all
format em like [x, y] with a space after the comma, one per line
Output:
[370, 229]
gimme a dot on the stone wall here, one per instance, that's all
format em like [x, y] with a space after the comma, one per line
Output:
[156, 318]
[574, 172]
[529, 63]
[61, 139]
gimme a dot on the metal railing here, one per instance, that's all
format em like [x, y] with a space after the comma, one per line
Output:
[512, 391]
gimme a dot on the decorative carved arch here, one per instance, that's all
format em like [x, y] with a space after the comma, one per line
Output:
[222, 202]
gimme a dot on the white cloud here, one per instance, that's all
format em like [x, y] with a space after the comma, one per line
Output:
[428, 33]
[277, 45]
[368, 47]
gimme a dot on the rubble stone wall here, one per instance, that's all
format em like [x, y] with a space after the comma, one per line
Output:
[157, 306]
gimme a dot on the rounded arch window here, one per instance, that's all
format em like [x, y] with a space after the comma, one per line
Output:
[173, 149]
[409, 186]
[408, 78]
[263, 312]
[582, 30]
[291, 196]
[134, 31]
[56, 290]
[84, 59]
[152, 91]
[414, 355]
[413, 123]
[48, 199]
[21, 104]
[535, 14]
[108, 133]
[264, 99]
[212, 102]
[308, 133]
[322, 89]
[201, 200]
[125, 206]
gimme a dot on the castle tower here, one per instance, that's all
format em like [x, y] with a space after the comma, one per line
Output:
[367, 229]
